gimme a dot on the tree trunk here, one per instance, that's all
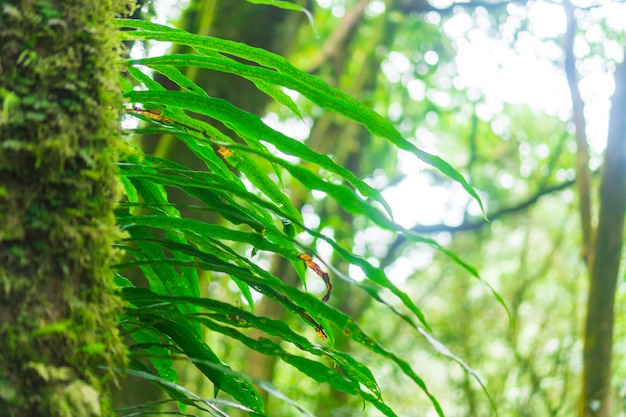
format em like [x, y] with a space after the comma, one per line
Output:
[59, 138]
[605, 262]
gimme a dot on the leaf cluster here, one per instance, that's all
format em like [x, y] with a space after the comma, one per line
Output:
[167, 319]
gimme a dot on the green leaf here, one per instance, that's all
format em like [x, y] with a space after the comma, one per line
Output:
[193, 398]
[251, 127]
[187, 282]
[351, 203]
[355, 371]
[190, 226]
[311, 309]
[179, 78]
[287, 5]
[310, 86]
[158, 354]
[187, 339]
[259, 179]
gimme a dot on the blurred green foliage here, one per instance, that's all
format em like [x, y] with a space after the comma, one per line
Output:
[401, 59]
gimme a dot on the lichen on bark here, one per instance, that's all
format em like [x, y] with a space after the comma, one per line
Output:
[59, 141]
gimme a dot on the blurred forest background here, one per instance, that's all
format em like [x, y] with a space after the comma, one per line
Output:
[489, 87]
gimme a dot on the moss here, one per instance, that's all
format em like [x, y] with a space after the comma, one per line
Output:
[59, 141]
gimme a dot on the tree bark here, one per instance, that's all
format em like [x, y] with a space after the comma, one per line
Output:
[605, 263]
[59, 140]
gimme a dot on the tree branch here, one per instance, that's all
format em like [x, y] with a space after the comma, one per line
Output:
[336, 42]
[582, 152]
[422, 6]
[473, 224]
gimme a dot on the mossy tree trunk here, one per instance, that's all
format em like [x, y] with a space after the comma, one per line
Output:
[59, 137]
